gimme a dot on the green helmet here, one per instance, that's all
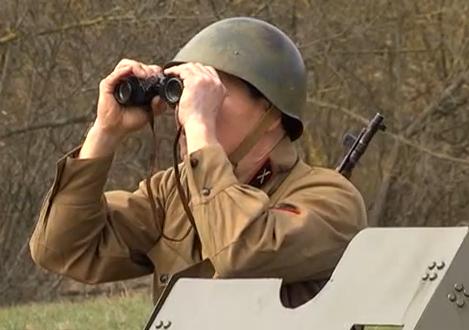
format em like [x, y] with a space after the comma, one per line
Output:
[258, 53]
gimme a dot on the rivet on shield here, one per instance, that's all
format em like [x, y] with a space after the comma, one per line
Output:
[452, 297]
[458, 287]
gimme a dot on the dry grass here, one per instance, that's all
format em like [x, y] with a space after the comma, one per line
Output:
[121, 312]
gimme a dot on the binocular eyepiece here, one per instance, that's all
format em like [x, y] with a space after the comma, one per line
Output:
[133, 91]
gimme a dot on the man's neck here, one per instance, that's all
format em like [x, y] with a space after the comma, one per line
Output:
[258, 155]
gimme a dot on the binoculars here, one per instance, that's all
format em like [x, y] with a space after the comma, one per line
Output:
[133, 91]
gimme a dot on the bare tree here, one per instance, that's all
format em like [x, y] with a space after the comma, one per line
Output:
[407, 60]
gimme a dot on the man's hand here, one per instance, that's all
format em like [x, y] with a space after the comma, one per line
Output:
[201, 99]
[113, 121]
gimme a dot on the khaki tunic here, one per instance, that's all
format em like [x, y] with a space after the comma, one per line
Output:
[295, 227]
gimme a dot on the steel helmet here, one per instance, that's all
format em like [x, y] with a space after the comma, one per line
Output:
[258, 53]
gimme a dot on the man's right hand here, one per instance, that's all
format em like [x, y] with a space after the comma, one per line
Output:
[113, 121]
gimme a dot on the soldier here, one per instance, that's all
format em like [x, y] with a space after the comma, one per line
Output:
[258, 210]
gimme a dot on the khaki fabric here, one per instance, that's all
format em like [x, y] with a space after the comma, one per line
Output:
[295, 227]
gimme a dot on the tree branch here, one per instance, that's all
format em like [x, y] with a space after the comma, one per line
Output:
[6, 62]
[398, 137]
[12, 36]
[53, 124]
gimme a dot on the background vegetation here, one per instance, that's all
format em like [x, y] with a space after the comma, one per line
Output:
[408, 60]
[117, 313]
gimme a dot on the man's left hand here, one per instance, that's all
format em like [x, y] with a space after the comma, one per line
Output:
[202, 98]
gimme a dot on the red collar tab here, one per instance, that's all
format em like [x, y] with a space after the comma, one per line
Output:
[262, 176]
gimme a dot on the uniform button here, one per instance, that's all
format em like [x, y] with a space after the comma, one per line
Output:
[164, 278]
[206, 191]
[194, 162]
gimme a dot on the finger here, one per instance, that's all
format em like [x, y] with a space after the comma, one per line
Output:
[133, 68]
[140, 70]
[126, 62]
[136, 69]
[109, 83]
[199, 67]
[190, 71]
[203, 69]
[208, 72]
[149, 70]
[182, 74]
[155, 69]
[184, 69]
[158, 106]
[212, 71]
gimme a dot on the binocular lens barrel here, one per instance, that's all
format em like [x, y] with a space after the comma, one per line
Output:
[126, 92]
[173, 90]
[133, 91]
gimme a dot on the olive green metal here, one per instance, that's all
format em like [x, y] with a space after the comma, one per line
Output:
[258, 53]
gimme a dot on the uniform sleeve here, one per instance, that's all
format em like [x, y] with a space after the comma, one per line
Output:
[300, 238]
[90, 236]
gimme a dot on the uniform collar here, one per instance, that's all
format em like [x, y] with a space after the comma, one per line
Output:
[284, 156]
[272, 173]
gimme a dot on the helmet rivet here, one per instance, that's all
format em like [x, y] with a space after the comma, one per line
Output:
[236, 52]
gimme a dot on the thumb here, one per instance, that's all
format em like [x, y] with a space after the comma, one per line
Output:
[158, 106]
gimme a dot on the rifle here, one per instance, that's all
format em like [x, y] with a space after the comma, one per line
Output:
[357, 145]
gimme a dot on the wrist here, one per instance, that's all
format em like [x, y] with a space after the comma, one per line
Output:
[199, 135]
[99, 143]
